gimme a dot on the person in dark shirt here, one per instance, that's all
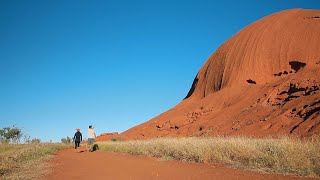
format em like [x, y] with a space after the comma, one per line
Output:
[77, 138]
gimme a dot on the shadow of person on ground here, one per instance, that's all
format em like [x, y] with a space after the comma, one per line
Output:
[95, 147]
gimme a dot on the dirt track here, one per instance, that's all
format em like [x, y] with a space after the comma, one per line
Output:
[107, 165]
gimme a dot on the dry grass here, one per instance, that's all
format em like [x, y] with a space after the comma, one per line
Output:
[26, 161]
[285, 155]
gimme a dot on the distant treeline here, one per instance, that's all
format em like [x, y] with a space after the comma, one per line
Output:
[14, 134]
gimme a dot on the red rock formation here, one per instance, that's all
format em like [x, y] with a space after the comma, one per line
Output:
[109, 136]
[264, 81]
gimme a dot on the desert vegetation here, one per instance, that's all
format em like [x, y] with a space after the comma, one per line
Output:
[66, 140]
[10, 134]
[14, 134]
[26, 161]
[283, 155]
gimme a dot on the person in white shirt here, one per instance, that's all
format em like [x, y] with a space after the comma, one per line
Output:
[91, 137]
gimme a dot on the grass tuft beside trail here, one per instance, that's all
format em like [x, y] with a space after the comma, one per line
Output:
[285, 155]
[26, 161]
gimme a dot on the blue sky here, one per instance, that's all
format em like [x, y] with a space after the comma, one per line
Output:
[115, 64]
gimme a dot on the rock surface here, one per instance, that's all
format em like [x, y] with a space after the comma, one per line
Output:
[263, 81]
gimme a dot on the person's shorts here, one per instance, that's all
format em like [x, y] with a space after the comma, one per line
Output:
[90, 141]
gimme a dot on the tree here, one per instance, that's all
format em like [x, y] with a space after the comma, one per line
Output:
[27, 139]
[66, 140]
[12, 134]
[15, 134]
[1, 135]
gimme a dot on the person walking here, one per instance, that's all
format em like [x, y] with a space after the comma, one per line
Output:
[91, 137]
[77, 138]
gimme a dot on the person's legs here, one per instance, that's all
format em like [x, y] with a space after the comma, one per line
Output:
[90, 144]
[77, 145]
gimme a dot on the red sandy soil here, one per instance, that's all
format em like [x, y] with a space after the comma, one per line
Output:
[107, 165]
[263, 81]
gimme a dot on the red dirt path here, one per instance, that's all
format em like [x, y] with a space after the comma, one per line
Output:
[107, 165]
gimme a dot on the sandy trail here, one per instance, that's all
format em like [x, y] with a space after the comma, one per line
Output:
[107, 165]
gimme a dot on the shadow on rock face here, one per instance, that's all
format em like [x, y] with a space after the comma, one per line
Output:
[296, 65]
[251, 81]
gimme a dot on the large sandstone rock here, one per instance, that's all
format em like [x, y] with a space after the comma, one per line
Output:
[264, 81]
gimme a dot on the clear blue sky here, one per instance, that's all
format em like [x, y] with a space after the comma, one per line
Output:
[115, 64]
